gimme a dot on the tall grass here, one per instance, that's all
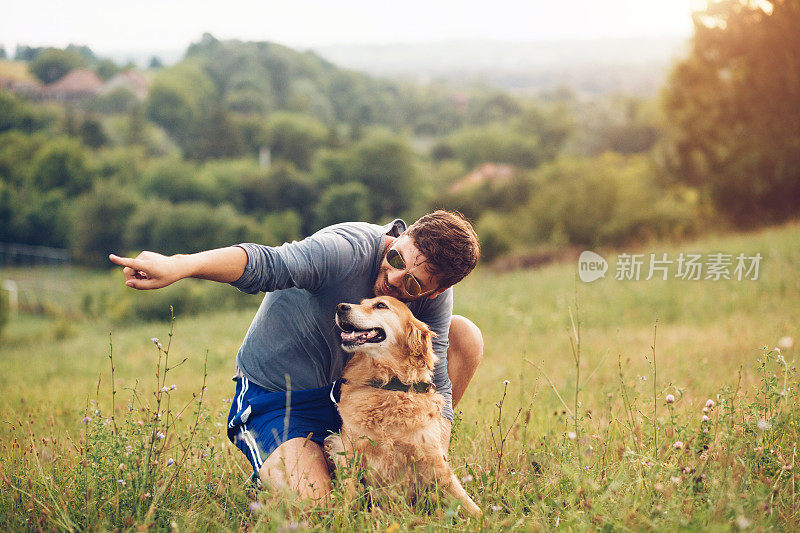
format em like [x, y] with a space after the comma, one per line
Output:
[580, 415]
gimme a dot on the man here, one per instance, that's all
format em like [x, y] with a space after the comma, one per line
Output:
[293, 344]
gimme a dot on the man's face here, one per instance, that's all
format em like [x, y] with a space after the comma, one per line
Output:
[391, 281]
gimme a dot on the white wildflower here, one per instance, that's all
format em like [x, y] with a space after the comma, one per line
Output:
[787, 343]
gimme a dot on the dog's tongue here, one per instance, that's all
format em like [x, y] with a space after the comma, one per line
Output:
[358, 335]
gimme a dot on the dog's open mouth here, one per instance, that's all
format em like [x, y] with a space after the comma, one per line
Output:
[352, 336]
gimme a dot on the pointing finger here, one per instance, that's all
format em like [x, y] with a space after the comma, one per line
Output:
[124, 261]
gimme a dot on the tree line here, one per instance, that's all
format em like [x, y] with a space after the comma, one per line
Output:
[245, 141]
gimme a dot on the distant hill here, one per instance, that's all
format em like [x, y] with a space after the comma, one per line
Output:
[595, 66]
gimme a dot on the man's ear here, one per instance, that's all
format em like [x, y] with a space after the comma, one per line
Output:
[437, 293]
[420, 344]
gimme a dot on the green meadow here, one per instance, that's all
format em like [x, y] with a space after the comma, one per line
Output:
[587, 411]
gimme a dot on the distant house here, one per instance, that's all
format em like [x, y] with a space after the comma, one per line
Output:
[132, 80]
[486, 173]
[77, 84]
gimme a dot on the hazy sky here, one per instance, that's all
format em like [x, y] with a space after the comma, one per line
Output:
[115, 25]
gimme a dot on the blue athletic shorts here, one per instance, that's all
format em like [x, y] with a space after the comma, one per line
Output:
[260, 421]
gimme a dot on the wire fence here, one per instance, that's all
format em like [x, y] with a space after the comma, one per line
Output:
[35, 278]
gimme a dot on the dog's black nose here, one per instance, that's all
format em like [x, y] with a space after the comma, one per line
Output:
[341, 308]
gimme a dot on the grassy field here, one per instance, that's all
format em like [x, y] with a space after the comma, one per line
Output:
[590, 422]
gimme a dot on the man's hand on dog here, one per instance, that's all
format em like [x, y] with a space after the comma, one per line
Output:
[149, 270]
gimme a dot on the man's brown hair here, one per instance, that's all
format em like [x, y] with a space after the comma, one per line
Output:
[448, 241]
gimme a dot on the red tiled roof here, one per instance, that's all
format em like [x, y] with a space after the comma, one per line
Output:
[77, 81]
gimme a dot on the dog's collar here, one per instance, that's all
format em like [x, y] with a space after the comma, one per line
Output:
[397, 385]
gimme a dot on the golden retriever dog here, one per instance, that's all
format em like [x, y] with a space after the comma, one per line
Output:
[391, 414]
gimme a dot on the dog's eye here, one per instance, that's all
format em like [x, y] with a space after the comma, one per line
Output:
[380, 305]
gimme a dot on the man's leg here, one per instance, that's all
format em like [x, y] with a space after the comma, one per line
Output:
[299, 464]
[464, 354]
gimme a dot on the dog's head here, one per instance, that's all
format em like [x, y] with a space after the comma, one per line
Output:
[385, 327]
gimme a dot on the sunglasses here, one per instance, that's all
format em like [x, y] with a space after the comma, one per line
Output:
[410, 283]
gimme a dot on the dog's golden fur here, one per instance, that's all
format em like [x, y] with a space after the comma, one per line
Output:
[399, 435]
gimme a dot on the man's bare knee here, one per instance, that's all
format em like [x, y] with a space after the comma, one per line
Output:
[466, 340]
[299, 465]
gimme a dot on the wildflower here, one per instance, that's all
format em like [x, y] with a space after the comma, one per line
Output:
[173, 387]
[670, 398]
[705, 418]
[678, 445]
[705, 409]
[159, 435]
[121, 482]
[643, 378]
[86, 420]
[496, 508]
[703, 456]
[687, 470]
[255, 507]
[467, 479]
[506, 382]
[571, 435]
[763, 425]
[164, 389]
[787, 343]
[710, 403]
[170, 461]
[705, 430]
[675, 479]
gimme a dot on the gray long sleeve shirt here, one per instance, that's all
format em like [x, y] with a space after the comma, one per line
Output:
[293, 342]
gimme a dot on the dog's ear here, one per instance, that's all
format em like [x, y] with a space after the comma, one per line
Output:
[420, 344]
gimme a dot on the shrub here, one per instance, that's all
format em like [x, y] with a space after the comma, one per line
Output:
[607, 200]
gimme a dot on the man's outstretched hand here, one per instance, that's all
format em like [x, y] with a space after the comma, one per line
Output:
[148, 270]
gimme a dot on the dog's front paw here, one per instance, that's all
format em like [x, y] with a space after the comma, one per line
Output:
[334, 450]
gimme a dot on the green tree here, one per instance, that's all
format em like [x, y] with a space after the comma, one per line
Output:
[188, 227]
[28, 53]
[61, 164]
[384, 163]
[99, 221]
[295, 137]
[16, 114]
[180, 100]
[107, 69]
[342, 203]
[52, 64]
[496, 144]
[731, 108]
[178, 181]
[91, 132]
